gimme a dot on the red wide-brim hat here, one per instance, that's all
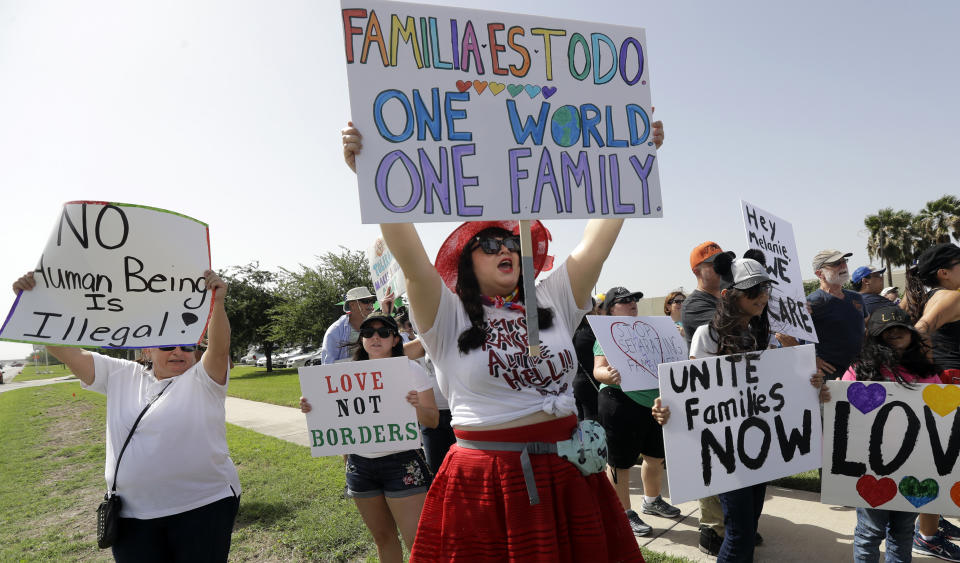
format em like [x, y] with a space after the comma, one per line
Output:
[449, 254]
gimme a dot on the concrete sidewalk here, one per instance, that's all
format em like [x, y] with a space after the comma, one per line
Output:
[795, 525]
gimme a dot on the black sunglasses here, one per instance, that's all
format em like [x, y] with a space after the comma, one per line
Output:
[758, 290]
[676, 300]
[628, 300]
[491, 245]
[183, 348]
[367, 300]
[382, 332]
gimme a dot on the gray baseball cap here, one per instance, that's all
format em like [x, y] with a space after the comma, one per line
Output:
[827, 256]
[748, 273]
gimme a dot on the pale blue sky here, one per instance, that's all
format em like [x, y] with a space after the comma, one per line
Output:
[820, 112]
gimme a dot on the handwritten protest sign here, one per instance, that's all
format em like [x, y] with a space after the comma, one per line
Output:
[385, 271]
[890, 447]
[636, 346]
[739, 420]
[115, 275]
[788, 303]
[360, 407]
[468, 114]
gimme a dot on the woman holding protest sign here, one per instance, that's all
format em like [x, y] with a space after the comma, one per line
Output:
[179, 489]
[936, 314]
[894, 351]
[740, 325]
[511, 488]
[389, 487]
[631, 430]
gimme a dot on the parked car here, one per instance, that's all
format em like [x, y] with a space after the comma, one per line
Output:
[302, 359]
[251, 357]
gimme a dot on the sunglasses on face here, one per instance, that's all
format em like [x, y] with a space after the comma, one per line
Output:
[876, 276]
[491, 245]
[382, 332]
[836, 264]
[367, 300]
[676, 301]
[626, 300]
[182, 348]
[758, 290]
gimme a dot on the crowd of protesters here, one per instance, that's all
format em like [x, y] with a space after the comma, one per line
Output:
[496, 479]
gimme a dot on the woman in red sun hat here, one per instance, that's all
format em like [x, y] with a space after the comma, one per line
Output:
[509, 489]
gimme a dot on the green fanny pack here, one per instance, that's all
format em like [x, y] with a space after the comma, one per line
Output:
[586, 449]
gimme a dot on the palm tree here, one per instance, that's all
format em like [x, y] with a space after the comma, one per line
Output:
[936, 222]
[890, 239]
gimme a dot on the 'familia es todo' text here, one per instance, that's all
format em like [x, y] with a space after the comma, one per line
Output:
[456, 46]
[438, 182]
[737, 416]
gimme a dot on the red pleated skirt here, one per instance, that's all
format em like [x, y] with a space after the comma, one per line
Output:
[478, 509]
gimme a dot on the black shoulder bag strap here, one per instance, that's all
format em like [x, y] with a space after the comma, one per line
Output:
[116, 470]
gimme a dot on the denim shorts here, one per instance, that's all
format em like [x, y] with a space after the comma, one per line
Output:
[397, 475]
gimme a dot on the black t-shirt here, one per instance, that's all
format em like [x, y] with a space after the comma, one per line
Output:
[873, 301]
[583, 340]
[840, 328]
[698, 309]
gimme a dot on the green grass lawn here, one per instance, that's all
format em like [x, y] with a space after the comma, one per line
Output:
[280, 386]
[53, 442]
[806, 481]
[292, 508]
[29, 373]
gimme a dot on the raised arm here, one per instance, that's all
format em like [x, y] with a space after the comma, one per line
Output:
[77, 360]
[423, 281]
[216, 360]
[586, 260]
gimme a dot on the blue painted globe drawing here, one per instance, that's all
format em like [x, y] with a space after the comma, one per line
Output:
[565, 126]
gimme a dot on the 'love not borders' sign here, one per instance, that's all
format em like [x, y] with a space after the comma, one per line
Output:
[890, 447]
[788, 303]
[739, 420]
[114, 275]
[468, 114]
[360, 407]
[636, 346]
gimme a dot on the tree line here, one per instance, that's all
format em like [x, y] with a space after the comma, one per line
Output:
[272, 310]
[897, 237]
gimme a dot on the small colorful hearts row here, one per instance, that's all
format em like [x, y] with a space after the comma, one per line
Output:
[513, 89]
[918, 493]
[941, 400]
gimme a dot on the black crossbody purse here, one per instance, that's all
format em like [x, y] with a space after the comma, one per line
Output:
[108, 513]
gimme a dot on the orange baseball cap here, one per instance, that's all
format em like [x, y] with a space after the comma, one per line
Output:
[704, 252]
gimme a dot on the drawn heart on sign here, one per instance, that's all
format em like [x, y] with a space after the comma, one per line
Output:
[917, 492]
[639, 342]
[942, 400]
[479, 86]
[514, 89]
[866, 397]
[955, 493]
[497, 87]
[464, 86]
[876, 491]
[532, 90]
[548, 91]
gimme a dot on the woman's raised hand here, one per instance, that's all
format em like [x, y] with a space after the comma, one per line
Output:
[24, 283]
[305, 405]
[660, 412]
[214, 282]
[352, 143]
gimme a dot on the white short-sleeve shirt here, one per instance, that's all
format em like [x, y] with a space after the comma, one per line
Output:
[498, 381]
[177, 459]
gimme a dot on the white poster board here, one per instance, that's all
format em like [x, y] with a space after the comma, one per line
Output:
[385, 271]
[886, 446]
[115, 275]
[636, 346]
[736, 421]
[788, 302]
[360, 407]
[468, 114]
